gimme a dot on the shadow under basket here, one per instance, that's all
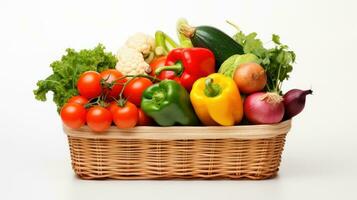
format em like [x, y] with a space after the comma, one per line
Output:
[148, 152]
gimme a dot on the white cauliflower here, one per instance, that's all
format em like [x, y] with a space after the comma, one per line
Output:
[134, 56]
[142, 43]
[131, 62]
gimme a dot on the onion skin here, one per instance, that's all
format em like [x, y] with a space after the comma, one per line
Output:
[294, 102]
[250, 78]
[260, 110]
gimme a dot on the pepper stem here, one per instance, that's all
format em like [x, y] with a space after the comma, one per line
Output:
[211, 89]
[158, 97]
[177, 68]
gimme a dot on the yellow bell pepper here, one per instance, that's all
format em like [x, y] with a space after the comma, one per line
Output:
[216, 100]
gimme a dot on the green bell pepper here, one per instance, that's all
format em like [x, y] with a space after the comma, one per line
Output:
[168, 103]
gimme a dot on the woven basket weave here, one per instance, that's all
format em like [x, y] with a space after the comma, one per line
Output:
[236, 152]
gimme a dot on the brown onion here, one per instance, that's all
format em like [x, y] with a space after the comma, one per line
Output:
[250, 77]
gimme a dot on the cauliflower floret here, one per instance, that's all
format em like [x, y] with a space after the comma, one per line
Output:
[134, 56]
[141, 42]
[131, 62]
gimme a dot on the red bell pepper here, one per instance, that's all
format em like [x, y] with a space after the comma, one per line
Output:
[186, 65]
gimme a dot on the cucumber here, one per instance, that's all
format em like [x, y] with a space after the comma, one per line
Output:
[221, 44]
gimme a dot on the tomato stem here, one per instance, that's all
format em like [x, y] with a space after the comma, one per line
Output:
[121, 102]
[136, 76]
[98, 101]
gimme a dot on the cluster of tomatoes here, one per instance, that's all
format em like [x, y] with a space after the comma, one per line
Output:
[106, 98]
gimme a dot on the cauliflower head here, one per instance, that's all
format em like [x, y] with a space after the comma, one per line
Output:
[131, 62]
[141, 42]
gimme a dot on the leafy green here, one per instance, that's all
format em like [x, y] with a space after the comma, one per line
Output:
[277, 60]
[66, 72]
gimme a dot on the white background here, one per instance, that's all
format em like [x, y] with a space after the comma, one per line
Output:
[319, 160]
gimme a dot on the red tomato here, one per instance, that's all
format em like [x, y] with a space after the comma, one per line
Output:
[73, 115]
[78, 99]
[89, 84]
[112, 106]
[143, 119]
[157, 62]
[135, 88]
[99, 119]
[112, 76]
[126, 116]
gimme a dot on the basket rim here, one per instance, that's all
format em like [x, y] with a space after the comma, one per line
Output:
[185, 132]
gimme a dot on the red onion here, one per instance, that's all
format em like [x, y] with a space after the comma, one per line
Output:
[294, 102]
[264, 108]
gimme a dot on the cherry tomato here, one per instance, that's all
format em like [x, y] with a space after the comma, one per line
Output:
[78, 99]
[112, 76]
[99, 118]
[157, 62]
[89, 84]
[143, 119]
[126, 116]
[73, 115]
[112, 106]
[135, 88]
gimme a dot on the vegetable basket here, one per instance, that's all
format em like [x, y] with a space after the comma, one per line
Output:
[233, 152]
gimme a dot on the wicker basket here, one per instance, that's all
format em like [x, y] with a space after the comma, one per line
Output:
[236, 152]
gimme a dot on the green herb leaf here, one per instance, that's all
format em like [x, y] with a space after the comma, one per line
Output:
[276, 39]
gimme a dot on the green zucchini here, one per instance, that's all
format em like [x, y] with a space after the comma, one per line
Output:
[221, 44]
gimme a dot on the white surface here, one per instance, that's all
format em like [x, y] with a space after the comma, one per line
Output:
[319, 161]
